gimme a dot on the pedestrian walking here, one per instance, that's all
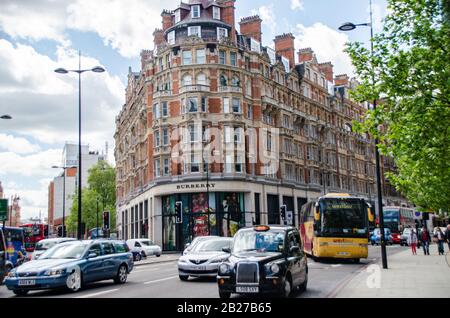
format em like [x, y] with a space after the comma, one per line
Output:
[440, 239]
[425, 239]
[412, 241]
[447, 236]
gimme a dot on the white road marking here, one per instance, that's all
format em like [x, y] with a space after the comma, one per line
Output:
[144, 270]
[336, 265]
[160, 280]
[99, 293]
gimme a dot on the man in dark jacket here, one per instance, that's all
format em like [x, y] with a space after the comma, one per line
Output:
[425, 239]
[447, 236]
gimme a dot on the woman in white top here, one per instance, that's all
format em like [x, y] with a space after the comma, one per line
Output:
[412, 241]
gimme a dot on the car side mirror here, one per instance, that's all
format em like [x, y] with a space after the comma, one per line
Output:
[294, 249]
[226, 250]
[187, 245]
[92, 255]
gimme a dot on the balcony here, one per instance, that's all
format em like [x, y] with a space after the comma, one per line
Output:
[194, 88]
[230, 89]
[159, 94]
[269, 100]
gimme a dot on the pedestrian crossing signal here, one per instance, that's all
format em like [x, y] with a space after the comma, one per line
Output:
[179, 211]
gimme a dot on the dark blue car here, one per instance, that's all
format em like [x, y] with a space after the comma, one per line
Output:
[71, 265]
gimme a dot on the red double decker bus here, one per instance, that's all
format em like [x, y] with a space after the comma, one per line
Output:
[34, 232]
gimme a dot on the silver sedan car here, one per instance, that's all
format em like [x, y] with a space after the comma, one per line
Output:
[203, 257]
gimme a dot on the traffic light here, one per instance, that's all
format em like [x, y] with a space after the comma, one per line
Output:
[60, 231]
[283, 212]
[106, 220]
[179, 211]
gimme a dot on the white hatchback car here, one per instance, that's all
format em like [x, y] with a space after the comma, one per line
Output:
[144, 247]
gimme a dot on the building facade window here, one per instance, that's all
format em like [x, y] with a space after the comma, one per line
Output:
[200, 56]
[222, 57]
[226, 105]
[187, 57]
[157, 168]
[195, 30]
[195, 11]
[177, 16]
[171, 37]
[233, 58]
[216, 13]
[165, 137]
[222, 34]
[237, 106]
[165, 110]
[187, 80]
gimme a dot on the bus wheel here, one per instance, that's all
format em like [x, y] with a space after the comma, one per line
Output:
[356, 260]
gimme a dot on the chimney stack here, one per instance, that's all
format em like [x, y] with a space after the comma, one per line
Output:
[158, 37]
[327, 70]
[305, 55]
[251, 27]
[167, 20]
[284, 46]
[341, 80]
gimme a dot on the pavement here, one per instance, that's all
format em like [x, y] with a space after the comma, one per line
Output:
[407, 276]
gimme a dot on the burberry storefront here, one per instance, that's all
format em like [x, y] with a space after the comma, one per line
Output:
[219, 209]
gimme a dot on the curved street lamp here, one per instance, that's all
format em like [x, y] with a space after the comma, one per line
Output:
[6, 117]
[97, 69]
[349, 26]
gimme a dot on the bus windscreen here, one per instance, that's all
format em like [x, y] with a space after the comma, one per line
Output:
[343, 217]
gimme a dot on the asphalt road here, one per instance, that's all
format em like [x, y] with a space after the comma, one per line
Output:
[161, 281]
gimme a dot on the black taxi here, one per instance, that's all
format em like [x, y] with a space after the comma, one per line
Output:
[264, 260]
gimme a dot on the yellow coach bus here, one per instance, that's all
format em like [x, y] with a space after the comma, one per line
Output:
[336, 226]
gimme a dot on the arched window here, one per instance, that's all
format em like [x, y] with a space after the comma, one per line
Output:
[348, 127]
[235, 81]
[201, 79]
[223, 80]
[187, 80]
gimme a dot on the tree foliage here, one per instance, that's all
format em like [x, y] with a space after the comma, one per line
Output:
[409, 73]
[101, 187]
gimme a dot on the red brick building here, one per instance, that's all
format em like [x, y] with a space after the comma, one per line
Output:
[231, 129]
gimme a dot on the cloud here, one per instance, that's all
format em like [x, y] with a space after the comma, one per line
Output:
[34, 20]
[267, 14]
[44, 104]
[33, 165]
[328, 45]
[17, 145]
[126, 26]
[32, 201]
[297, 5]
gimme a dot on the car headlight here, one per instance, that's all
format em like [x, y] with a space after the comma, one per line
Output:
[55, 272]
[273, 268]
[182, 260]
[224, 269]
[12, 274]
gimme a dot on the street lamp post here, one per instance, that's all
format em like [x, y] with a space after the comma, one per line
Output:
[348, 26]
[64, 196]
[80, 71]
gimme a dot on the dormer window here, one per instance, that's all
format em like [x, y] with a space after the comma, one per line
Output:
[216, 13]
[177, 16]
[195, 11]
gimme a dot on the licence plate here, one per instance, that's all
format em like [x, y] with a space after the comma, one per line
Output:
[27, 282]
[245, 289]
[343, 253]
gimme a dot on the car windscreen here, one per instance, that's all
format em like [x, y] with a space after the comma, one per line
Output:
[246, 241]
[65, 251]
[42, 246]
[211, 245]
[148, 243]
[343, 217]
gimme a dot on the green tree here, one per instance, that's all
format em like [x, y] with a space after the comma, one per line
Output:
[411, 67]
[101, 188]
